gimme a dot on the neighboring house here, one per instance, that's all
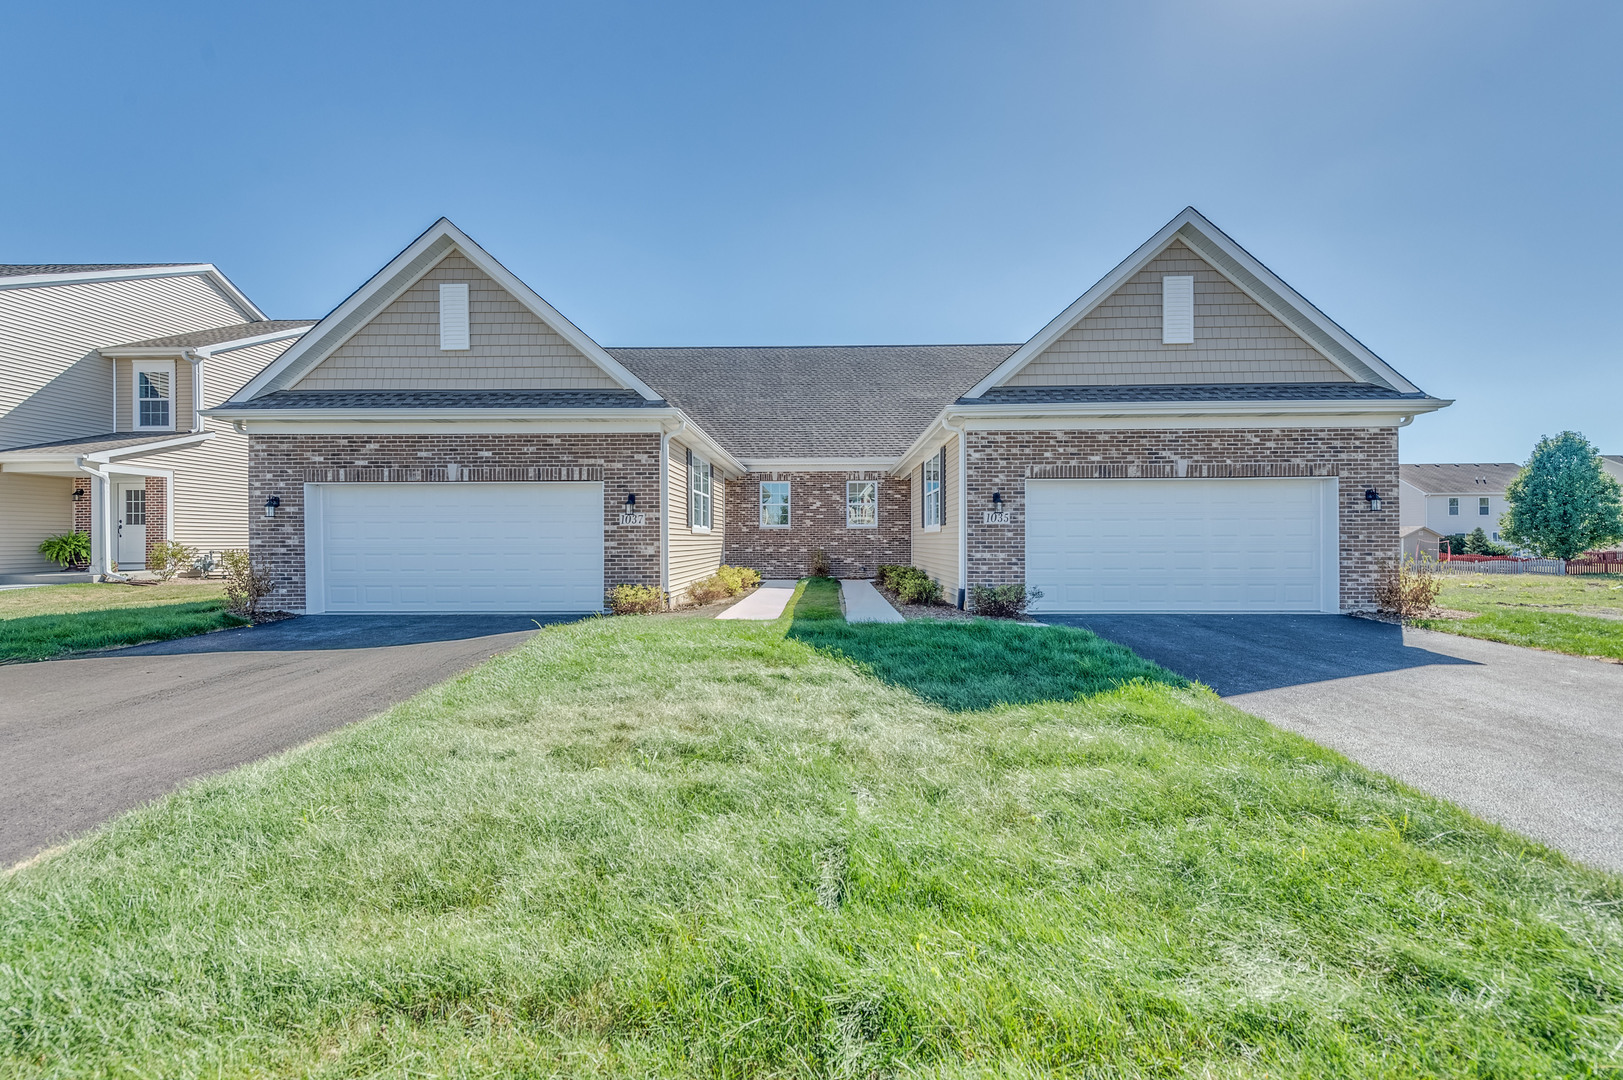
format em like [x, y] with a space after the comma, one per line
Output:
[1613, 464]
[1451, 499]
[1190, 435]
[107, 369]
[1419, 541]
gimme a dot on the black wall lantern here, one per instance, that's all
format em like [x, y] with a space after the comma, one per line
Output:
[997, 498]
[631, 499]
[78, 494]
[270, 506]
[1373, 498]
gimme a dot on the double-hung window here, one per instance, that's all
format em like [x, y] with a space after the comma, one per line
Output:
[1453, 508]
[861, 504]
[699, 493]
[1482, 506]
[154, 396]
[932, 491]
[774, 504]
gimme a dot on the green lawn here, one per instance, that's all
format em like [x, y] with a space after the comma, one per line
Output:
[1578, 615]
[677, 846]
[36, 624]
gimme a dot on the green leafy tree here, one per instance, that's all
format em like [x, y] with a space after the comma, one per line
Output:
[1477, 543]
[1562, 503]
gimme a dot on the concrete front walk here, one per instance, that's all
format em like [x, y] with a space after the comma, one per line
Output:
[765, 603]
[864, 604]
[1532, 740]
[83, 740]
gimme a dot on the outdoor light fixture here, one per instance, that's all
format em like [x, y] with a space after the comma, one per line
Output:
[78, 494]
[271, 504]
[1372, 497]
[631, 499]
[997, 498]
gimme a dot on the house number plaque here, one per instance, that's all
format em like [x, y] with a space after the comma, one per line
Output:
[633, 519]
[995, 517]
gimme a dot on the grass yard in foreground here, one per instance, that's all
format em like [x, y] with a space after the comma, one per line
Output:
[36, 624]
[1571, 614]
[681, 846]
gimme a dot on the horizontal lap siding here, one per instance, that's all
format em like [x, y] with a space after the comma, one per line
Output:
[817, 520]
[180, 404]
[1361, 458]
[692, 555]
[936, 553]
[34, 507]
[1236, 339]
[399, 349]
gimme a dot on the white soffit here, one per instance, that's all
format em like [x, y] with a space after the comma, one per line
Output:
[401, 273]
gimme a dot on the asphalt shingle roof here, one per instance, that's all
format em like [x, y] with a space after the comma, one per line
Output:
[852, 401]
[94, 444]
[28, 269]
[1460, 479]
[220, 334]
[449, 399]
[1015, 395]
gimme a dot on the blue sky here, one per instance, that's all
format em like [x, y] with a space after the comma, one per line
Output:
[1441, 178]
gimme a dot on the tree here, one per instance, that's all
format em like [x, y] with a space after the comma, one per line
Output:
[1562, 503]
[1477, 543]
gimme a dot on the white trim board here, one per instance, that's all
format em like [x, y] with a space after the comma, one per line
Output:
[398, 275]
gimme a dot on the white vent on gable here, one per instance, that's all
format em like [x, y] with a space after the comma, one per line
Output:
[1178, 309]
[454, 315]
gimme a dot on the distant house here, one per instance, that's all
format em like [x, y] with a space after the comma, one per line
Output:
[1613, 464]
[1458, 498]
[107, 370]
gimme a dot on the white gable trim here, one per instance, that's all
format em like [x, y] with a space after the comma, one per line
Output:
[208, 270]
[401, 273]
[1246, 274]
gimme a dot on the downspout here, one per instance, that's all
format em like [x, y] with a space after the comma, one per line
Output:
[963, 511]
[196, 357]
[665, 506]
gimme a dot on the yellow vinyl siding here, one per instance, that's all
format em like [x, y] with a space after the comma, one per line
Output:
[512, 349]
[1119, 342]
[34, 507]
[692, 555]
[936, 553]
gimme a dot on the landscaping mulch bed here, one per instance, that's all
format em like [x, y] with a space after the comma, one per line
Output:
[944, 612]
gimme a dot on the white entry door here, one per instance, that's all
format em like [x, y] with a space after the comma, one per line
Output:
[455, 547]
[130, 514]
[1183, 545]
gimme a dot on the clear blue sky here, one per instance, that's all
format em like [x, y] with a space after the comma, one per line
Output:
[1441, 178]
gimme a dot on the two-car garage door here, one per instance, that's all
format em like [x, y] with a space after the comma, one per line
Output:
[454, 547]
[1183, 545]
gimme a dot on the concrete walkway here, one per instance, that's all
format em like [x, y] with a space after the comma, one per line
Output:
[764, 604]
[864, 604]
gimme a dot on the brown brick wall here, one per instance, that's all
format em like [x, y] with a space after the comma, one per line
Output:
[1361, 457]
[81, 505]
[157, 513]
[817, 520]
[278, 465]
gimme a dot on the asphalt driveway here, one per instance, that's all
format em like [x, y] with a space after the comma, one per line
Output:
[82, 740]
[1532, 740]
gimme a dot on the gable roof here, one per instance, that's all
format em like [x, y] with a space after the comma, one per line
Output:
[1249, 275]
[395, 278]
[219, 335]
[1460, 478]
[834, 401]
[36, 275]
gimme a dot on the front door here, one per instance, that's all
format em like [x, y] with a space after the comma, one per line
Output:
[131, 515]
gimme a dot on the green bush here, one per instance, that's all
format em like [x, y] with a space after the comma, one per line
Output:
[737, 579]
[916, 588]
[818, 565]
[67, 550]
[889, 572]
[637, 599]
[166, 558]
[1003, 601]
[1477, 543]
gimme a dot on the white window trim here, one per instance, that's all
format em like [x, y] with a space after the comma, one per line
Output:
[760, 504]
[924, 492]
[1453, 507]
[849, 484]
[1483, 507]
[710, 474]
[136, 368]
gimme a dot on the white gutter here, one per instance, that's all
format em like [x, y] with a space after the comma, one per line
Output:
[1346, 407]
[665, 506]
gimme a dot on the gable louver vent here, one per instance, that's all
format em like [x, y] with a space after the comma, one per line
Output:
[1178, 309]
[454, 315]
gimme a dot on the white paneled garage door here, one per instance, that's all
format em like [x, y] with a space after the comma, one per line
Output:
[1182, 545]
[454, 547]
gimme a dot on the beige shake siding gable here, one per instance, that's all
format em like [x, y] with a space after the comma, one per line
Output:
[1119, 342]
[511, 349]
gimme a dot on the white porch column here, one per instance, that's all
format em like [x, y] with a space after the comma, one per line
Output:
[102, 533]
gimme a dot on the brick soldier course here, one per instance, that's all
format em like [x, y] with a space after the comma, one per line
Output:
[280, 465]
[817, 520]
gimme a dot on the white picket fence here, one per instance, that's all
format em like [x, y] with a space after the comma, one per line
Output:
[1506, 566]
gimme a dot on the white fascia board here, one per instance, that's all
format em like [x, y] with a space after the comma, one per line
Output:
[685, 431]
[202, 350]
[314, 347]
[928, 440]
[1046, 410]
[820, 464]
[209, 270]
[151, 448]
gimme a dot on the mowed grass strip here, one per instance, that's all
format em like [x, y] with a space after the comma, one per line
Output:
[36, 624]
[1582, 616]
[687, 847]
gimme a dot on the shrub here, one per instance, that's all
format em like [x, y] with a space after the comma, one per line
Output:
[1003, 601]
[819, 564]
[888, 573]
[917, 588]
[67, 550]
[1406, 588]
[246, 584]
[167, 558]
[637, 600]
[737, 579]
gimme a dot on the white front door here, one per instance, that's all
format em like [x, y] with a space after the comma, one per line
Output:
[530, 547]
[1183, 545]
[130, 514]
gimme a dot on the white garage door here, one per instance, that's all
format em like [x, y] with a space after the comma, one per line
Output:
[1182, 545]
[454, 547]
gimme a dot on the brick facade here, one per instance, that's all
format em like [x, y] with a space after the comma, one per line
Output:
[157, 513]
[1361, 457]
[81, 504]
[280, 465]
[817, 520]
